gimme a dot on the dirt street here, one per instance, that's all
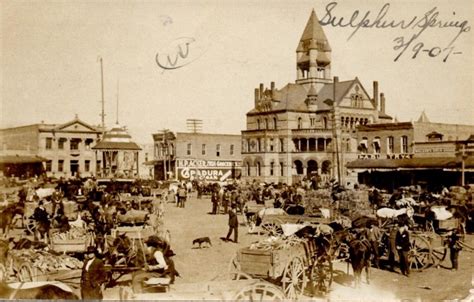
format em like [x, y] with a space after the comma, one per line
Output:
[197, 265]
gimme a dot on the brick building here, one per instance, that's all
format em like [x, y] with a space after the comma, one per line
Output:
[421, 152]
[64, 149]
[308, 127]
[203, 156]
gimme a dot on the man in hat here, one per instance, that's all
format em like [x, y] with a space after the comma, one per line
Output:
[41, 217]
[402, 242]
[233, 224]
[93, 276]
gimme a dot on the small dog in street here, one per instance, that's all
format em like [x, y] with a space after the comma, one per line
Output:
[202, 240]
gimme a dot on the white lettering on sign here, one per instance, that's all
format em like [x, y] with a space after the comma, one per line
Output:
[203, 174]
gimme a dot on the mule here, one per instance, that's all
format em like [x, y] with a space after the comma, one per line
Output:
[6, 217]
[360, 253]
[37, 291]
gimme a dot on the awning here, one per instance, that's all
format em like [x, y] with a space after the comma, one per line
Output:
[410, 163]
[21, 159]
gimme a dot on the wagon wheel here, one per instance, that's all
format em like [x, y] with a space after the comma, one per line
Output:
[30, 225]
[420, 254]
[232, 275]
[3, 273]
[321, 275]
[439, 254]
[234, 264]
[294, 278]
[272, 228]
[260, 291]
[25, 273]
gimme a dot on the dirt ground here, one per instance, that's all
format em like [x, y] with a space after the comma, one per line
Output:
[197, 265]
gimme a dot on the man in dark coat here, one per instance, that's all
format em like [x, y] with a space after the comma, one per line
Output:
[41, 216]
[402, 242]
[233, 225]
[93, 276]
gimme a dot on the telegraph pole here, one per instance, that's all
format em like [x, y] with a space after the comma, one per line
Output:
[102, 90]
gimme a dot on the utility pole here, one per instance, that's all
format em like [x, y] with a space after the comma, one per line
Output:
[194, 125]
[102, 89]
[117, 117]
[336, 140]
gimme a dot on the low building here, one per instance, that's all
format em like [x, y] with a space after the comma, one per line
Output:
[64, 149]
[422, 152]
[200, 156]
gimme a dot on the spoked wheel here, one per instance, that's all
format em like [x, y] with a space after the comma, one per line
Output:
[272, 228]
[321, 275]
[420, 254]
[234, 264]
[232, 275]
[260, 291]
[25, 273]
[3, 273]
[31, 225]
[294, 278]
[438, 249]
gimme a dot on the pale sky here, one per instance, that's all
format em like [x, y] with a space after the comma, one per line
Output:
[50, 69]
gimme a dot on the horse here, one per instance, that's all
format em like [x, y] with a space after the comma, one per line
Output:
[360, 253]
[7, 215]
[36, 291]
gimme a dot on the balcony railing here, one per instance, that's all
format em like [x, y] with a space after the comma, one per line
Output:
[306, 131]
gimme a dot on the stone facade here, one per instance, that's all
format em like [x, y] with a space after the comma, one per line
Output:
[67, 147]
[307, 128]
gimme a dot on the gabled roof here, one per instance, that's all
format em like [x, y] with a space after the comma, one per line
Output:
[314, 31]
[76, 120]
[423, 118]
[327, 93]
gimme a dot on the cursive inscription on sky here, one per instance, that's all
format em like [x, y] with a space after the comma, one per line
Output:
[176, 55]
[411, 42]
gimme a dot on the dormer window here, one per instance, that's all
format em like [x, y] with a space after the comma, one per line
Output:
[434, 137]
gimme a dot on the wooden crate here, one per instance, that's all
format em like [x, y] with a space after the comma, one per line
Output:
[255, 262]
[69, 245]
[449, 224]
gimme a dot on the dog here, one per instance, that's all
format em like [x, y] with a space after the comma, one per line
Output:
[202, 240]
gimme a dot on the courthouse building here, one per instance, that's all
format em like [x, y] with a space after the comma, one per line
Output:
[201, 156]
[63, 149]
[308, 127]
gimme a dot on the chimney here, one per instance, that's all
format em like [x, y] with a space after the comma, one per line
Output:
[382, 103]
[261, 89]
[376, 94]
[257, 94]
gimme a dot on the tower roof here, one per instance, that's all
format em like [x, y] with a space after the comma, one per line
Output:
[423, 118]
[314, 31]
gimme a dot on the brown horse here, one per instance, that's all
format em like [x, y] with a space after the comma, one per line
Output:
[7, 215]
[360, 253]
[33, 291]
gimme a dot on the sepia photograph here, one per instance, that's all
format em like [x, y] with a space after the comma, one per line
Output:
[232, 150]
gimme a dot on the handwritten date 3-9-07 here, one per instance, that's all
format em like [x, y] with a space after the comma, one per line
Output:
[403, 43]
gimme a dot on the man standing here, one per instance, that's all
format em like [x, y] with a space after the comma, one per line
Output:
[41, 216]
[233, 225]
[93, 276]
[454, 243]
[402, 242]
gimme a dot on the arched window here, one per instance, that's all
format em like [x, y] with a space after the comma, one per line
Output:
[300, 123]
[248, 169]
[404, 144]
[390, 145]
[275, 123]
[325, 122]
[266, 124]
[259, 169]
[258, 124]
[282, 145]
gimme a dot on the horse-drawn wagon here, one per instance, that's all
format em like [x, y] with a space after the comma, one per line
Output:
[288, 262]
